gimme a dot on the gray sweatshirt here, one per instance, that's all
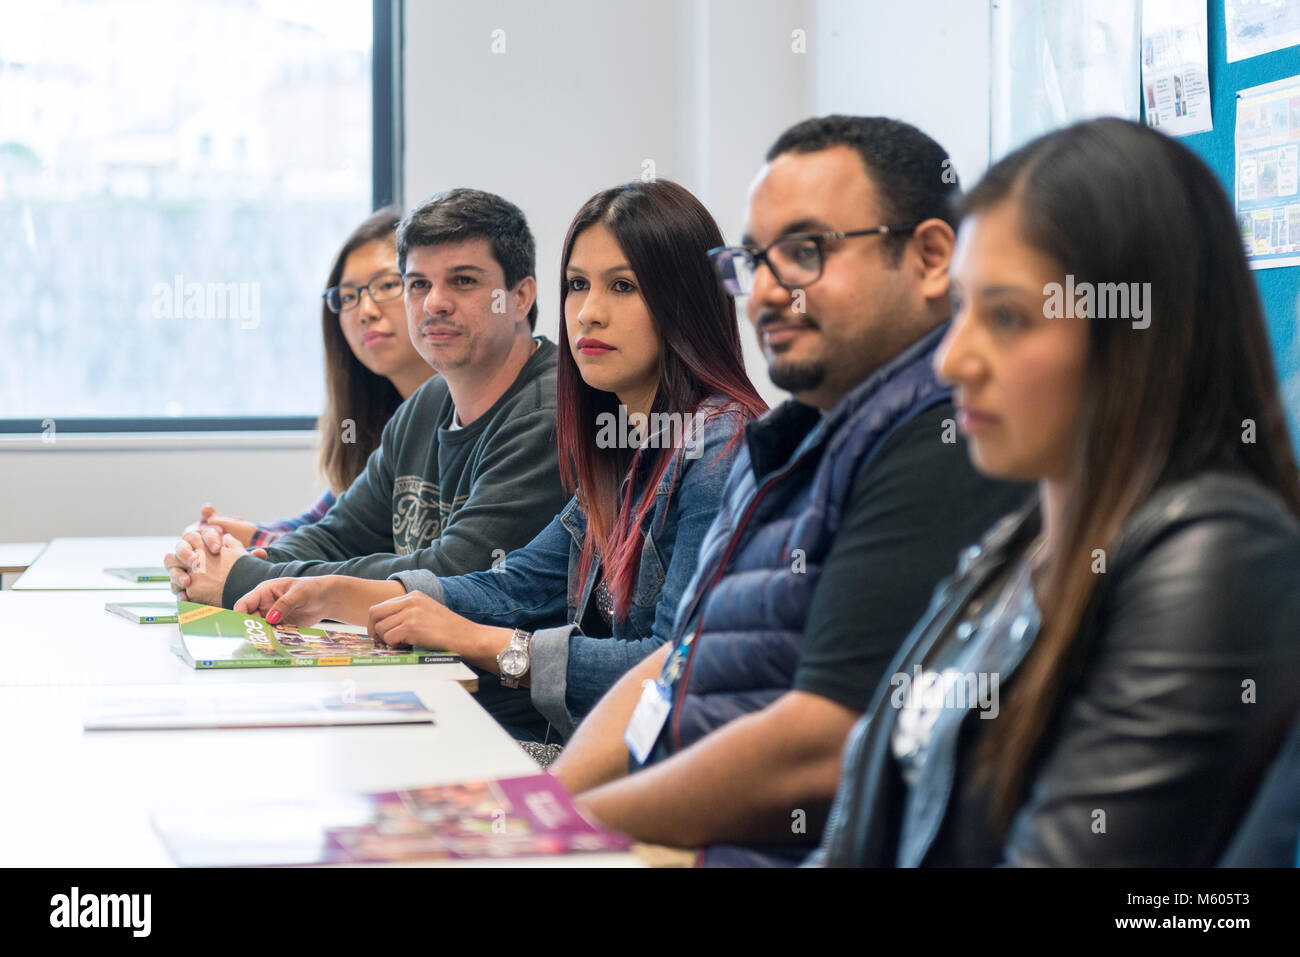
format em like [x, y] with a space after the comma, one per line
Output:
[446, 500]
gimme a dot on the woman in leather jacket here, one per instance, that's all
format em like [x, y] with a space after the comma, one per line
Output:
[1106, 677]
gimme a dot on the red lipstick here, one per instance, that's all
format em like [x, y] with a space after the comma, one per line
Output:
[593, 347]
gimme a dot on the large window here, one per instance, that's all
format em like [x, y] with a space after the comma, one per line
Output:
[174, 180]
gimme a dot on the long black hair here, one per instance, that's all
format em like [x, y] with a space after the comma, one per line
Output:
[1111, 201]
[665, 232]
[351, 390]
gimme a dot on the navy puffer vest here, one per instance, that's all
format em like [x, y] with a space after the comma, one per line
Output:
[779, 516]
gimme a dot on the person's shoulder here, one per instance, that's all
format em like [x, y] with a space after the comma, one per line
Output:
[926, 448]
[719, 417]
[1217, 495]
[435, 385]
[1207, 566]
[709, 439]
[926, 465]
[538, 381]
[427, 400]
[926, 431]
[1213, 519]
[418, 415]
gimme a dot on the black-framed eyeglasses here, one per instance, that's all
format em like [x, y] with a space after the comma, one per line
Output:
[381, 289]
[795, 260]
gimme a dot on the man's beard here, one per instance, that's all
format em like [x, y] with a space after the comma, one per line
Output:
[437, 359]
[789, 374]
[796, 376]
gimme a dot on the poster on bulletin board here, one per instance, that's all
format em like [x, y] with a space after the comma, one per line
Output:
[1175, 71]
[1268, 171]
[1255, 27]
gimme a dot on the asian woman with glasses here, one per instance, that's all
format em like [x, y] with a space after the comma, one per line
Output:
[371, 367]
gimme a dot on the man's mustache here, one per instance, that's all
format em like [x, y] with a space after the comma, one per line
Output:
[768, 317]
[428, 324]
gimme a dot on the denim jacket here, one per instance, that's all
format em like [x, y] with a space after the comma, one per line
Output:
[536, 587]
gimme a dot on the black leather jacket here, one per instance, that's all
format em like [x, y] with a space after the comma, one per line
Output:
[1158, 727]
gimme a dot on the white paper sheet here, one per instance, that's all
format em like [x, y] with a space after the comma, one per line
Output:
[1260, 26]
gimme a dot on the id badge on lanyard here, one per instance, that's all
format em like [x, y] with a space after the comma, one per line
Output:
[648, 719]
[654, 705]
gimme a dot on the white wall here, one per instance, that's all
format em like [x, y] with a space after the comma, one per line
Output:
[580, 100]
[585, 95]
[143, 485]
[747, 85]
[586, 91]
[922, 61]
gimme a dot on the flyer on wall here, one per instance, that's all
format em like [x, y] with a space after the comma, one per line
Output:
[1255, 27]
[1175, 67]
[1267, 168]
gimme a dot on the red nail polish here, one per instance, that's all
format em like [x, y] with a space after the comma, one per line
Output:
[273, 616]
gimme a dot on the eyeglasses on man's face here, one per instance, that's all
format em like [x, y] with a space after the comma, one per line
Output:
[381, 289]
[795, 260]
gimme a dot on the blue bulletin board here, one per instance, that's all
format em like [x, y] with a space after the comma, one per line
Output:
[1279, 288]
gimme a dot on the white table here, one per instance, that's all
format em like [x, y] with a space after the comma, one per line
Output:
[78, 563]
[50, 639]
[84, 798]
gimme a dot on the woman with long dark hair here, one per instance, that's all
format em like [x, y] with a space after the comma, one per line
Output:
[371, 367]
[1106, 677]
[653, 399]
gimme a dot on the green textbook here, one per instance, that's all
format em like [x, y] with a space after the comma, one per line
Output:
[145, 612]
[219, 638]
[139, 575]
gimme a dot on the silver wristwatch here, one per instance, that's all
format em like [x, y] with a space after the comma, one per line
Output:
[514, 661]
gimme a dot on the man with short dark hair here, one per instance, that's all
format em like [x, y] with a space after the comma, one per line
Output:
[467, 469]
[465, 214]
[849, 503]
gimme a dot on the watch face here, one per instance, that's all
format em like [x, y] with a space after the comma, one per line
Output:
[514, 662]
